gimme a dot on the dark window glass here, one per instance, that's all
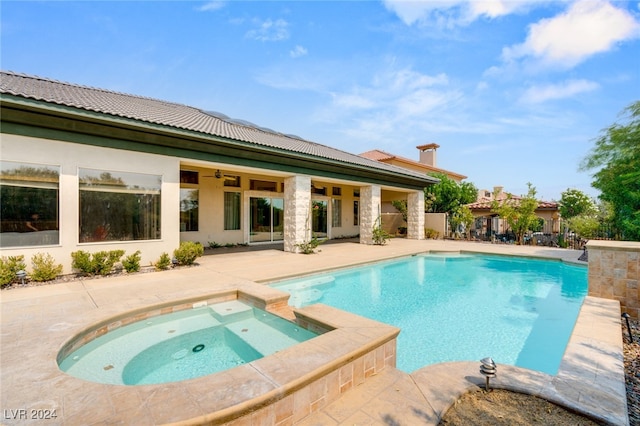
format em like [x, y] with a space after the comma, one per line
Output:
[29, 204]
[233, 181]
[187, 176]
[119, 206]
[356, 213]
[188, 209]
[262, 185]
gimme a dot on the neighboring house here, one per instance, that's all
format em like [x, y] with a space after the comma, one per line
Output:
[488, 223]
[425, 165]
[91, 169]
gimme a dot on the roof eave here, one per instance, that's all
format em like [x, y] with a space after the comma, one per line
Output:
[13, 106]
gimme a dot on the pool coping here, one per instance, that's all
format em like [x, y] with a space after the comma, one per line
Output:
[33, 330]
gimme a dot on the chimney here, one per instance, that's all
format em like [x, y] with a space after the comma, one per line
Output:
[428, 154]
[497, 190]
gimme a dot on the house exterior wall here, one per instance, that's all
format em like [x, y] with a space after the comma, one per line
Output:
[70, 157]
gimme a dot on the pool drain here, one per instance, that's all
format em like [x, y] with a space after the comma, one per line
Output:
[198, 348]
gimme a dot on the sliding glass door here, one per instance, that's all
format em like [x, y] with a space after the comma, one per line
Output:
[266, 218]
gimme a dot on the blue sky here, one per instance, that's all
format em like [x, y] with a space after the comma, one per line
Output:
[512, 91]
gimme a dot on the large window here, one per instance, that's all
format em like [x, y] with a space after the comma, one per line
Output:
[336, 213]
[188, 209]
[319, 218]
[188, 200]
[356, 213]
[231, 211]
[29, 200]
[119, 206]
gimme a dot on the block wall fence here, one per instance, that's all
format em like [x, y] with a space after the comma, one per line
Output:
[614, 273]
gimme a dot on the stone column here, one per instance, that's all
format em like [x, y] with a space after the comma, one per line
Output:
[415, 215]
[297, 204]
[370, 200]
[614, 273]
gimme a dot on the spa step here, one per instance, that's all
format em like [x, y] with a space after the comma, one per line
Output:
[230, 311]
[261, 336]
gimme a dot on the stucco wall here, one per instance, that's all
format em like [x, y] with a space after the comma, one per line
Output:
[70, 157]
[437, 222]
[614, 273]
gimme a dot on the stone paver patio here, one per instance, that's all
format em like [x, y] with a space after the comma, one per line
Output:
[37, 321]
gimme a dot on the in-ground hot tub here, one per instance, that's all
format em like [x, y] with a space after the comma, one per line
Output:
[183, 345]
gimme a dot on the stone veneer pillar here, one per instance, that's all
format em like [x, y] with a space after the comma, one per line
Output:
[297, 205]
[415, 215]
[370, 200]
[614, 273]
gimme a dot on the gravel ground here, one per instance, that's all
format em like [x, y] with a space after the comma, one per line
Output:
[632, 370]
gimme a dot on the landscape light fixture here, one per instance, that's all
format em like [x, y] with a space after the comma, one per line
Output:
[488, 369]
[22, 274]
[626, 317]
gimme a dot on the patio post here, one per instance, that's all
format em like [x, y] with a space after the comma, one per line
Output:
[415, 215]
[370, 203]
[297, 204]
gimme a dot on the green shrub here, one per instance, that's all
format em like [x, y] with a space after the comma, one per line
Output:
[213, 244]
[379, 235]
[431, 233]
[44, 267]
[81, 261]
[100, 262]
[309, 247]
[131, 263]
[188, 252]
[9, 266]
[163, 263]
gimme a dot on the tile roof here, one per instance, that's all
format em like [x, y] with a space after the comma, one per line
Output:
[382, 156]
[485, 204]
[176, 116]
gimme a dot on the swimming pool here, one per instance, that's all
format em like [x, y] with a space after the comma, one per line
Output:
[183, 345]
[460, 307]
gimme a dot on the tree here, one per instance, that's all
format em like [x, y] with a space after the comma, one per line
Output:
[574, 202]
[462, 215]
[519, 214]
[617, 156]
[447, 195]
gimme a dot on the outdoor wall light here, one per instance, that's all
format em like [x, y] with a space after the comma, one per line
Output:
[488, 369]
[218, 174]
[22, 274]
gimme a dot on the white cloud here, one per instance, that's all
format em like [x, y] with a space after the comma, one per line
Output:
[352, 101]
[588, 27]
[211, 6]
[567, 89]
[270, 30]
[298, 51]
[399, 105]
[401, 92]
[449, 13]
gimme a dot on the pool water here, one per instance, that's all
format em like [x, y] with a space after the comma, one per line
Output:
[183, 345]
[459, 307]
